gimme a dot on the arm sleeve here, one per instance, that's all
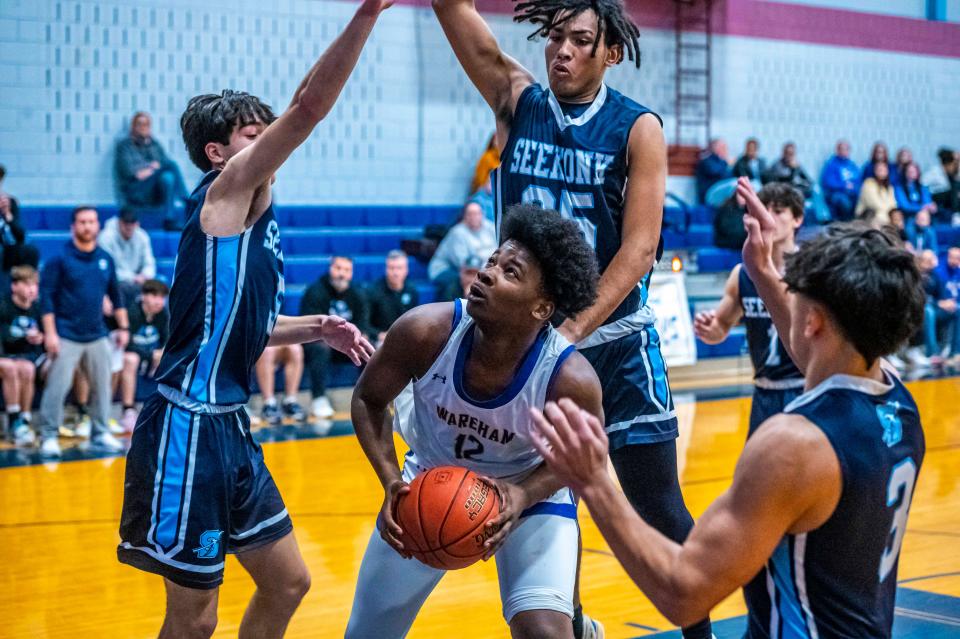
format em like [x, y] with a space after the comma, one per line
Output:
[149, 261]
[49, 283]
[113, 288]
[127, 161]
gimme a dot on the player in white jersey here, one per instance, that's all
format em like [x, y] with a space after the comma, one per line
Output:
[472, 372]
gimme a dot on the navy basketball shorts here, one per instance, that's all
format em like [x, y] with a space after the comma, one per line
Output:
[768, 402]
[637, 403]
[196, 488]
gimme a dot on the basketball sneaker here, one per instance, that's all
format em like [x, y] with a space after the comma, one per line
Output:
[82, 429]
[293, 410]
[107, 441]
[321, 407]
[22, 433]
[592, 629]
[50, 447]
[271, 414]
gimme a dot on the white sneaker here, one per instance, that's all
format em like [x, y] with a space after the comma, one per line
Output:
[82, 429]
[916, 357]
[898, 363]
[592, 629]
[50, 447]
[114, 426]
[23, 435]
[321, 407]
[108, 441]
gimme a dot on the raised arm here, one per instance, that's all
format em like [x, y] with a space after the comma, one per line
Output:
[712, 327]
[408, 351]
[788, 480]
[499, 78]
[642, 217]
[250, 169]
[758, 260]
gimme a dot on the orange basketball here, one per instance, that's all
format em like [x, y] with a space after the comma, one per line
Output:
[444, 515]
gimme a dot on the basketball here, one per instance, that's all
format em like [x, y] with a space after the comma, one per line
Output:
[444, 514]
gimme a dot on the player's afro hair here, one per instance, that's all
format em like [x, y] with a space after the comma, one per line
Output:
[569, 265]
[212, 118]
[868, 282]
[613, 23]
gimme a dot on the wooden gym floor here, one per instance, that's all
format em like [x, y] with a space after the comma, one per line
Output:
[59, 576]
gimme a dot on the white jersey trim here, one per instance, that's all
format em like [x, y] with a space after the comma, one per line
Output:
[846, 382]
[642, 318]
[563, 121]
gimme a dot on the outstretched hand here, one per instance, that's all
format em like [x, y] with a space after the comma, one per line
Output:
[572, 442]
[376, 6]
[341, 335]
[760, 224]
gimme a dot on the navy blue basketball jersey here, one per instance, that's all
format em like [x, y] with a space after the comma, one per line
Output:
[840, 580]
[577, 166]
[771, 362]
[224, 302]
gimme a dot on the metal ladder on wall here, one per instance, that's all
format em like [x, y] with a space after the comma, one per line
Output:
[693, 31]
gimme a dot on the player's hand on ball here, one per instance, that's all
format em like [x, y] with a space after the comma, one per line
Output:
[572, 442]
[513, 501]
[390, 532]
[341, 335]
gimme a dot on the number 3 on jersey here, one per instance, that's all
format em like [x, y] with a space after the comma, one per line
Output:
[570, 203]
[899, 494]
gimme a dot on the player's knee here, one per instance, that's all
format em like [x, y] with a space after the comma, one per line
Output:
[292, 588]
[130, 359]
[199, 626]
[296, 353]
[541, 624]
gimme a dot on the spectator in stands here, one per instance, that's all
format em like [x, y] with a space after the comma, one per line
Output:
[904, 159]
[23, 354]
[713, 166]
[468, 273]
[840, 180]
[877, 194]
[878, 155]
[13, 237]
[912, 196]
[728, 229]
[484, 197]
[331, 294]
[129, 246]
[941, 315]
[473, 235]
[787, 169]
[750, 164]
[920, 235]
[149, 331]
[391, 296]
[944, 184]
[290, 357]
[146, 176]
[73, 287]
[899, 225]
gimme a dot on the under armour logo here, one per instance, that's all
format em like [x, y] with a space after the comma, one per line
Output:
[209, 545]
[442, 378]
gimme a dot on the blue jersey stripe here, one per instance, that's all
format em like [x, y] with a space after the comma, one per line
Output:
[225, 291]
[658, 367]
[238, 294]
[173, 478]
[550, 508]
[792, 622]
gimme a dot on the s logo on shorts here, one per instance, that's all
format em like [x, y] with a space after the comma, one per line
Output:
[209, 545]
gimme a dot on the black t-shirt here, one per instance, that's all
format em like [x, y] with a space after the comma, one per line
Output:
[387, 305]
[147, 336]
[15, 323]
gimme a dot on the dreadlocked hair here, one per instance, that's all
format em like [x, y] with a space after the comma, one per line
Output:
[613, 23]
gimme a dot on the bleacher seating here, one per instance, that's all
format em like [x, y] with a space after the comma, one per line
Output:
[312, 234]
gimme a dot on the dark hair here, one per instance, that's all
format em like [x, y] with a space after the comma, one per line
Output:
[24, 273]
[868, 282]
[946, 155]
[3, 171]
[885, 182]
[782, 195]
[613, 23]
[334, 258]
[78, 209]
[876, 148]
[155, 287]
[212, 118]
[569, 265]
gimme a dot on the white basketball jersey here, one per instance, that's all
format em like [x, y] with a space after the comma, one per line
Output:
[443, 425]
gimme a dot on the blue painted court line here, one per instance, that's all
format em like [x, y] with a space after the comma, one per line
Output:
[919, 615]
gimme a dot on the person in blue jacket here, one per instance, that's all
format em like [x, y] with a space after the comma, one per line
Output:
[920, 234]
[912, 196]
[840, 180]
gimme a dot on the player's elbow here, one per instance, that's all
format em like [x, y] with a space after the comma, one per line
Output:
[306, 111]
[684, 609]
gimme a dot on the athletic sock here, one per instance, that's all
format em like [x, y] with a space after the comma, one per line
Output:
[578, 622]
[290, 399]
[129, 407]
[270, 402]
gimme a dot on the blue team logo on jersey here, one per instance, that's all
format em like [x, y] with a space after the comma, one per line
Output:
[209, 545]
[892, 426]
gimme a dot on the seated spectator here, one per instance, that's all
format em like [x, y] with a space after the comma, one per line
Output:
[713, 166]
[473, 235]
[15, 250]
[944, 184]
[877, 194]
[390, 296]
[484, 197]
[728, 229]
[23, 354]
[146, 176]
[904, 159]
[750, 164]
[129, 246]
[787, 169]
[73, 287]
[331, 294]
[290, 357]
[920, 235]
[468, 273]
[840, 180]
[149, 331]
[878, 155]
[912, 196]
[941, 315]
[899, 225]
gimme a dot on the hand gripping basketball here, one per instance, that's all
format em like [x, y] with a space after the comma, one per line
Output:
[443, 518]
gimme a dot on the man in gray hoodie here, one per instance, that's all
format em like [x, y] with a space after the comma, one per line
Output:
[129, 246]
